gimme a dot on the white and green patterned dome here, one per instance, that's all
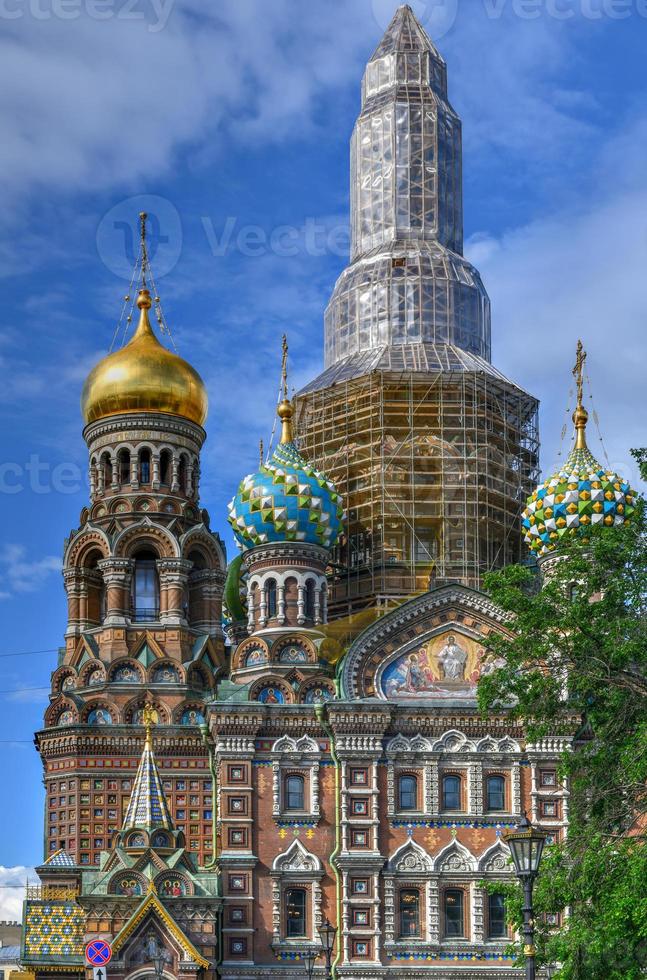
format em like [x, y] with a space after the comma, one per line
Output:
[581, 495]
[286, 499]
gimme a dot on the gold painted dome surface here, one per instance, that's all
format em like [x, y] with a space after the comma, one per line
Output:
[143, 376]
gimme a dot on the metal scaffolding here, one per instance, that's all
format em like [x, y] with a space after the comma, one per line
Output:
[434, 468]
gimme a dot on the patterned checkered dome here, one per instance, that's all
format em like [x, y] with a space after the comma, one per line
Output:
[581, 495]
[286, 500]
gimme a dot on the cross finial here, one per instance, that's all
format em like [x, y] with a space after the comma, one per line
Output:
[149, 717]
[580, 415]
[578, 371]
[260, 451]
[142, 235]
[284, 367]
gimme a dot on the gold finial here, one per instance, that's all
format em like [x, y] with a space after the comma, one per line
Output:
[284, 411]
[580, 415]
[142, 235]
[284, 368]
[149, 717]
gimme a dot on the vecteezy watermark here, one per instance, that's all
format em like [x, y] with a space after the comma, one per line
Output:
[436, 16]
[566, 9]
[155, 13]
[41, 476]
[118, 235]
[314, 237]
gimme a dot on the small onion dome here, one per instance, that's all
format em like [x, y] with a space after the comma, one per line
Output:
[286, 499]
[581, 495]
[143, 376]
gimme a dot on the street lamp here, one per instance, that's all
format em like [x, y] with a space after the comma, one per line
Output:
[309, 957]
[526, 845]
[327, 933]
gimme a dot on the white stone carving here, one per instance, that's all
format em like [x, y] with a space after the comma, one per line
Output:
[410, 858]
[496, 859]
[296, 860]
[455, 858]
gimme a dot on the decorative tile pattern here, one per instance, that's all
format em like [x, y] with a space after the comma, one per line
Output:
[286, 500]
[581, 495]
[147, 806]
[53, 929]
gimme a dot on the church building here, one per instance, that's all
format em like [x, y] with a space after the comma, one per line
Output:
[235, 754]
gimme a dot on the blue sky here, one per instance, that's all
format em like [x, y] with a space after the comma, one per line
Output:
[229, 123]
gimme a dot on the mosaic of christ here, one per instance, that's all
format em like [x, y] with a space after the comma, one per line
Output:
[448, 666]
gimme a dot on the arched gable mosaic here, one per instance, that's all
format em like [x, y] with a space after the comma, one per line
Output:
[433, 648]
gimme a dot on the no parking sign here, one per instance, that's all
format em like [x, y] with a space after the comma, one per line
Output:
[98, 952]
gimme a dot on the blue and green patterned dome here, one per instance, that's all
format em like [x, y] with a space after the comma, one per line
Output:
[286, 499]
[581, 495]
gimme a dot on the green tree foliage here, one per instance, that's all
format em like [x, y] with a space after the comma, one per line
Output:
[576, 664]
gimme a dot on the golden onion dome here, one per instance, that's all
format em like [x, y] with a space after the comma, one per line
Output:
[143, 376]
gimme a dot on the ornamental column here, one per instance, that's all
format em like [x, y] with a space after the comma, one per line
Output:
[174, 577]
[117, 577]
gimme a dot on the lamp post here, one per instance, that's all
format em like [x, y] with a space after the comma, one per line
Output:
[327, 933]
[309, 957]
[526, 845]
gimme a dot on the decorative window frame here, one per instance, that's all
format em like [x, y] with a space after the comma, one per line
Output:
[300, 756]
[411, 756]
[296, 868]
[410, 867]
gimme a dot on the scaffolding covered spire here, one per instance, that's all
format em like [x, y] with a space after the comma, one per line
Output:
[147, 807]
[408, 286]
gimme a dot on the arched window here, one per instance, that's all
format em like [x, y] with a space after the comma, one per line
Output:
[145, 588]
[409, 912]
[124, 466]
[166, 467]
[310, 600]
[496, 916]
[408, 792]
[145, 466]
[453, 912]
[270, 600]
[295, 912]
[294, 792]
[495, 792]
[106, 469]
[181, 473]
[451, 793]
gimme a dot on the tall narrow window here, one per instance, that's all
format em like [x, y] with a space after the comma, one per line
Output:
[145, 593]
[409, 912]
[145, 466]
[295, 912]
[451, 793]
[496, 916]
[106, 467]
[124, 467]
[495, 792]
[166, 467]
[453, 912]
[294, 792]
[270, 591]
[408, 793]
[310, 600]
[181, 473]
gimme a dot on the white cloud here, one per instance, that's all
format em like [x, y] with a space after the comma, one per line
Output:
[577, 273]
[18, 574]
[12, 891]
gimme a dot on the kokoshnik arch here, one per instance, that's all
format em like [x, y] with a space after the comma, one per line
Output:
[211, 796]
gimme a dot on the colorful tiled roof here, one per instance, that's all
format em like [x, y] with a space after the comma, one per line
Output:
[53, 930]
[582, 494]
[147, 807]
[60, 859]
[287, 499]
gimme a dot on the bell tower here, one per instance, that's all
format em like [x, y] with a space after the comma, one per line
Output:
[144, 577]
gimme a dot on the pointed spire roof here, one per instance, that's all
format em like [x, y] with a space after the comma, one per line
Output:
[405, 33]
[147, 807]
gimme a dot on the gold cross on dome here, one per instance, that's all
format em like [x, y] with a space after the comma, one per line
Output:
[578, 371]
